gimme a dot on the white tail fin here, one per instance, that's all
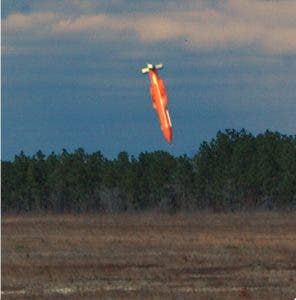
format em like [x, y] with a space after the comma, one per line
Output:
[151, 67]
[145, 70]
[159, 66]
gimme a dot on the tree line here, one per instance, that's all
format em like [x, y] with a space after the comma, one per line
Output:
[234, 171]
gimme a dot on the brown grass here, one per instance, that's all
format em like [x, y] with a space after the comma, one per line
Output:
[149, 256]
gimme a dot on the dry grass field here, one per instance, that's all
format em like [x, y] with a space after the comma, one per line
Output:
[149, 256]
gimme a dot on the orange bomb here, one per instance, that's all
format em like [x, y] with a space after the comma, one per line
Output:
[159, 99]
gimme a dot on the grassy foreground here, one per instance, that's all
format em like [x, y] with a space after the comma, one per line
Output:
[149, 256]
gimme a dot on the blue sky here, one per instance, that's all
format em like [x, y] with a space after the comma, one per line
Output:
[71, 72]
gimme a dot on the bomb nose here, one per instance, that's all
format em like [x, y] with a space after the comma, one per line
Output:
[167, 132]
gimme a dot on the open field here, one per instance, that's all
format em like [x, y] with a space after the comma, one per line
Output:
[149, 256]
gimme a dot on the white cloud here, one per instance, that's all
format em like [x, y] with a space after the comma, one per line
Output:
[22, 22]
[268, 26]
[82, 24]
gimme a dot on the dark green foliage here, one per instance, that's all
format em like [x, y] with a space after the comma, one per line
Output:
[234, 171]
[237, 170]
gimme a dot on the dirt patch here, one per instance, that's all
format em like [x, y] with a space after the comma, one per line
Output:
[149, 256]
